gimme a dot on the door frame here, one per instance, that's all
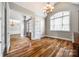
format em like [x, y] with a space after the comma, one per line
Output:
[6, 17]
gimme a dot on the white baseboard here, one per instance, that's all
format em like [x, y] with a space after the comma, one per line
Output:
[35, 38]
[59, 37]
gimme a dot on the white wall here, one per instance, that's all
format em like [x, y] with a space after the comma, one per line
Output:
[2, 29]
[73, 20]
[17, 12]
[17, 18]
[22, 11]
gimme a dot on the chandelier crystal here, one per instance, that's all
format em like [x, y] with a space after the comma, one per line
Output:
[48, 8]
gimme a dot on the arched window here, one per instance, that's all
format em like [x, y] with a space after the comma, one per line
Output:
[60, 21]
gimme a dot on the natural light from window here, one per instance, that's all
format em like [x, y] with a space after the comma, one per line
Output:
[60, 21]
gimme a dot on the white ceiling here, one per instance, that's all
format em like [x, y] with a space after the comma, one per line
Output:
[36, 7]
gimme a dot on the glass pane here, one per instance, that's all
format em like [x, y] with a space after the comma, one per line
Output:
[58, 27]
[52, 22]
[59, 14]
[58, 21]
[58, 24]
[52, 27]
[52, 17]
[66, 20]
[66, 27]
[65, 13]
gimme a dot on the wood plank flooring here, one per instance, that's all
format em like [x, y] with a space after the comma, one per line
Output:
[18, 43]
[45, 47]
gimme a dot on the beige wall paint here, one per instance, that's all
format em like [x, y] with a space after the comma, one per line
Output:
[65, 6]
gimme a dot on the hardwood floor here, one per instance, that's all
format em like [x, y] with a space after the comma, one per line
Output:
[45, 47]
[18, 43]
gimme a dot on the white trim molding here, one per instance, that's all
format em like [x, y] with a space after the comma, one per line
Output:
[58, 37]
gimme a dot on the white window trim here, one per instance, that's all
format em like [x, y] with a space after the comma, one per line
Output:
[62, 21]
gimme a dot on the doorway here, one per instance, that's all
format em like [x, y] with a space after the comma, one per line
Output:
[39, 27]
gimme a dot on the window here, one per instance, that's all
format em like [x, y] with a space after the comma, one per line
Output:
[39, 27]
[60, 21]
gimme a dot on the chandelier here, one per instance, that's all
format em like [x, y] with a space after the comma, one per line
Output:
[48, 8]
[12, 23]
